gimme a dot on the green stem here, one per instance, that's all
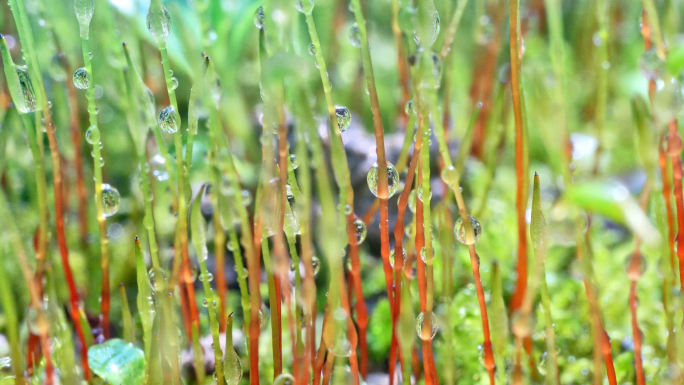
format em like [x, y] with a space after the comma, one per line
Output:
[97, 169]
[11, 327]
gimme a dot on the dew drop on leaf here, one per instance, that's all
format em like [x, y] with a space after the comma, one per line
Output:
[284, 379]
[343, 117]
[259, 18]
[81, 79]
[392, 179]
[355, 36]
[426, 327]
[167, 120]
[360, 231]
[110, 200]
[461, 234]
[158, 168]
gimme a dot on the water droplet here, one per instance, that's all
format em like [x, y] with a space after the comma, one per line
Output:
[360, 231]
[316, 264]
[651, 65]
[347, 209]
[90, 55]
[37, 321]
[110, 200]
[259, 18]
[206, 278]
[449, 175]
[420, 194]
[304, 6]
[294, 162]
[101, 161]
[284, 379]
[89, 135]
[84, 10]
[460, 230]
[246, 197]
[667, 101]
[410, 107]
[174, 83]
[423, 254]
[355, 36]
[522, 324]
[391, 256]
[392, 180]
[158, 167]
[167, 120]
[635, 266]
[426, 327]
[343, 117]
[153, 274]
[434, 28]
[81, 79]
[205, 303]
[312, 50]
[412, 201]
[158, 22]
[262, 317]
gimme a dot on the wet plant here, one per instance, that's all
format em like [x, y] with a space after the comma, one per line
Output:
[300, 192]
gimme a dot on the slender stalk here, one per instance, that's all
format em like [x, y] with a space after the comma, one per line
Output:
[346, 192]
[26, 38]
[521, 196]
[383, 192]
[97, 168]
[199, 238]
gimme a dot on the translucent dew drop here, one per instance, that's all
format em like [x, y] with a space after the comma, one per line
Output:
[174, 82]
[316, 264]
[391, 256]
[312, 50]
[84, 10]
[420, 194]
[348, 209]
[29, 101]
[668, 101]
[449, 175]
[246, 197]
[81, 79]
[304, 6]
[284, 379]
[158, 168]
[343, 117]
[294, 162]
[426, 327]
[206, 278]
[167, 120]
[355, 36]
[205, 303]
[155, 274]
[412, 201]
[360, 231]
[635, 266]
[392, 180]
[460, 230]
[159, 22]
[110, 200]
[89, 135]
[259, 18]
[423, 254]
[37, 321]
[410, 107]
[651, 65]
